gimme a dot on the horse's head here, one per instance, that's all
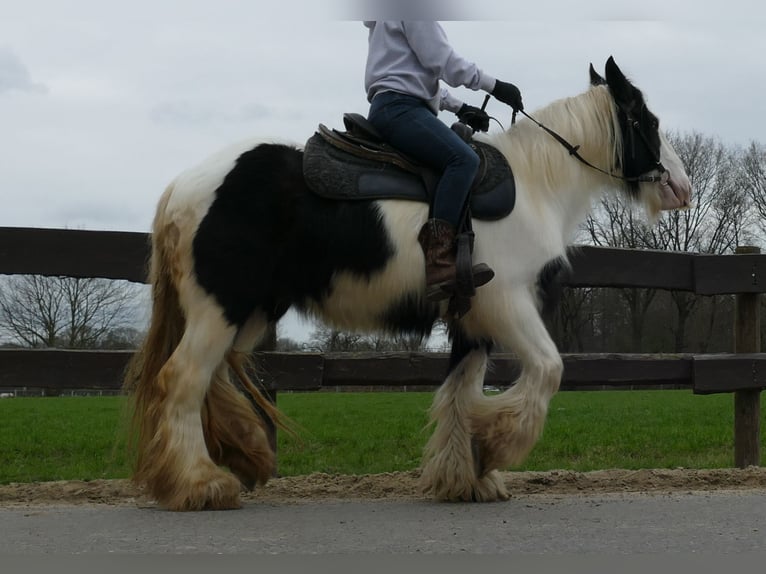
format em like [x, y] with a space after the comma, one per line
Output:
[652, 169]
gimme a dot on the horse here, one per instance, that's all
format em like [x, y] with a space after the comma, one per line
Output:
[240, 239]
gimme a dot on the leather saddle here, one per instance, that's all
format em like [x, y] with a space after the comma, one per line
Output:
[358, 165]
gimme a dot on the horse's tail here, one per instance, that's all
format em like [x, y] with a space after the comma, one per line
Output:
[240, 363]
[165, 331]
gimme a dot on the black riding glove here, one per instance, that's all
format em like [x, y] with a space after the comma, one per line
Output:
[508, 94]
[474, 117]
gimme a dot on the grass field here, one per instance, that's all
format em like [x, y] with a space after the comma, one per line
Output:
[354, 433]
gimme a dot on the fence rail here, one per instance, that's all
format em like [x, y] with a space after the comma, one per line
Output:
[56, 370]
[123, 255]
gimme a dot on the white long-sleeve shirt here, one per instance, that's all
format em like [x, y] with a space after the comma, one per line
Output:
[412, 57]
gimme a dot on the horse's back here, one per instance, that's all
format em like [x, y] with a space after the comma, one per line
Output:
[193, 189]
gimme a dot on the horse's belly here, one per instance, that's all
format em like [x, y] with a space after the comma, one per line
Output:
[356, 302]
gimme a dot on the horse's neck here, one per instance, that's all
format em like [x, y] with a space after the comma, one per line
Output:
[563, 187]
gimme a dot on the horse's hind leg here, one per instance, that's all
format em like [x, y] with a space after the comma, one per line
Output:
[176, 466]
[450, 469]
[235, 429]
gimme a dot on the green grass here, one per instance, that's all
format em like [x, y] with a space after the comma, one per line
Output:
[354, 433]
[61, 439]
[636, 429]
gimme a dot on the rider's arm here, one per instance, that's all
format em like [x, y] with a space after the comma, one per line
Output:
[430, 45]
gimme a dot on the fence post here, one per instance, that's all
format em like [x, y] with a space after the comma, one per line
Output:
[747, 403]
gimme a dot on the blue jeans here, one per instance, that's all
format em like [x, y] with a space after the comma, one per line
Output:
[409, 125]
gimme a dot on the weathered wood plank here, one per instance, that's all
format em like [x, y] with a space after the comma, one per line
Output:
[616, 369]
[747, 428]
[747, 403]
[290, 371]
[59, 369]
[610, 267]
[74, 253]
[741, 273]
[65, 369]
[71, 369]
[394, 369]
[729, 373]
[123, 255]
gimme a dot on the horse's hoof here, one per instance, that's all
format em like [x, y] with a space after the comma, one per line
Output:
[250, 472]
[218, 493]
[490, 488]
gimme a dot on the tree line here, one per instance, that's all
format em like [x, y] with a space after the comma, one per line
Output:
[69, 312]
[729, 209]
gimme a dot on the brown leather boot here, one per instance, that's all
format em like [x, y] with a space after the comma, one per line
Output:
[437, 238]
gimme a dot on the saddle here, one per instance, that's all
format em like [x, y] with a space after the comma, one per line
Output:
[358, 165]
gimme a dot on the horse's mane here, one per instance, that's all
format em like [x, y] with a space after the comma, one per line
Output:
[588, 120]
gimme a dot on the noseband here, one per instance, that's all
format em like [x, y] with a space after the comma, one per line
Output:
[633, 128]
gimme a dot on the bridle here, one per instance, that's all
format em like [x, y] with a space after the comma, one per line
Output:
[633, 126]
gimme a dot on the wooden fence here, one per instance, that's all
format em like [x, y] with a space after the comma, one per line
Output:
[122, 255]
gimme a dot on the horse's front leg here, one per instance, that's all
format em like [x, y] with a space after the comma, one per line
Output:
[476, 435]
[505, 427]
[451, 463]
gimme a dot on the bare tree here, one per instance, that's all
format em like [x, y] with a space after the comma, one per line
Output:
[720, 215]
[65, 311]
[122, 338]
[326, 339]
[286, 344]
[754, 179]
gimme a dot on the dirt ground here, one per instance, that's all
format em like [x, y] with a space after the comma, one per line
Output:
[402, 485]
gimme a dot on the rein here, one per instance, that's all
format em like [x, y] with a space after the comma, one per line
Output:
[574, 151]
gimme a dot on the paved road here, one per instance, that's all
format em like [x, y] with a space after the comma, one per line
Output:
[712, 522]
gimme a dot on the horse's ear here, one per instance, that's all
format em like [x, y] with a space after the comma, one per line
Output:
[595, 77]
[613, 71]
[622, 90]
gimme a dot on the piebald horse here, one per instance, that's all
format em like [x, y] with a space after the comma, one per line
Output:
[240, 239]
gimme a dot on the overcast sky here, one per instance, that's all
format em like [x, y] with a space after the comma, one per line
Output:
[103, 103]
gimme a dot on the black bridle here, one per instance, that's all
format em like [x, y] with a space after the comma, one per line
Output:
[633, 127]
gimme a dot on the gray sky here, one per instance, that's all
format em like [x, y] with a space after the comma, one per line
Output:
[102, 104]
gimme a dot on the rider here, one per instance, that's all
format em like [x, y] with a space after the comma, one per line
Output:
[405, 62]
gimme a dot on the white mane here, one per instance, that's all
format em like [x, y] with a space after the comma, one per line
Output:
[588, 120]
[555, 191]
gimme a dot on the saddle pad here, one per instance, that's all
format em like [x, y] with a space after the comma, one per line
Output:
[337, 174]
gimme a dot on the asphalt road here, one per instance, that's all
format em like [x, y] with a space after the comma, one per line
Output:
[720, 522]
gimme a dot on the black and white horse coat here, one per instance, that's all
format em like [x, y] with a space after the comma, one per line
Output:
[240, 239]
